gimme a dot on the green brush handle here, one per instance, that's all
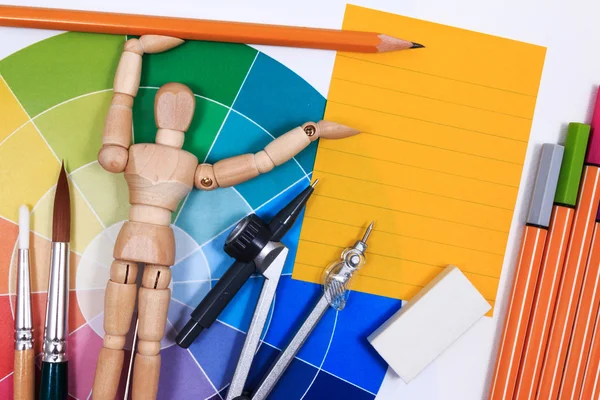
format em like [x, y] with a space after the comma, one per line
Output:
[54, 381]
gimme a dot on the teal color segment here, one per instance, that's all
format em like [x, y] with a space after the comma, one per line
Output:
[239, 136]
[279, 100]
[206, 214]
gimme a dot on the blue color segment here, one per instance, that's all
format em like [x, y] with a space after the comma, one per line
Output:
[239, 136]
[278, 100]
[218, 260]
[194, 267]
[329, 387]
[291, 238]
[363, 314]
[292, 384]
[178, 316]
[206, 214]
[217, 350]
[190, 293]
[239, 312]
[295, 301]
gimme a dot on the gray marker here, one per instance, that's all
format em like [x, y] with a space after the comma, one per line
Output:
[544, 189]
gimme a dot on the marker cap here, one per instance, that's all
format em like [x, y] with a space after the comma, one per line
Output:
[545, 185]
[593, 155]
[572, 164]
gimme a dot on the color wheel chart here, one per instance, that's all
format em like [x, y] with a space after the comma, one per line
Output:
[54, 95]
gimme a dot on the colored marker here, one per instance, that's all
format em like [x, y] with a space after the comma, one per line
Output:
[553, 261]
[574, 269]
[590, 388]
[587, 310]
[528, 265]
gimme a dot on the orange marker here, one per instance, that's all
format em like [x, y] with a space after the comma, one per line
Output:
[587, 310]
[530, 258]
[552, 261]
[591, 378]
[571, 283]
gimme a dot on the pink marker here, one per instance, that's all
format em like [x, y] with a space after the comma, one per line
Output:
[593, 155]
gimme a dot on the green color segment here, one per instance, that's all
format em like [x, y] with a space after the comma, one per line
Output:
[572, 164]
[107, 193]
[213, 70]
[74, 129]
[207, 121]
[62, 67]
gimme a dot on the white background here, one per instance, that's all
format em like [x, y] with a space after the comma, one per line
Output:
[570, 78]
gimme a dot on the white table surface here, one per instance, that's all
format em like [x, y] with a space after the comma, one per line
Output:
[569, 81]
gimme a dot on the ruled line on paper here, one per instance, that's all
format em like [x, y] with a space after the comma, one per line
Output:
[344, 55]
[433, 98]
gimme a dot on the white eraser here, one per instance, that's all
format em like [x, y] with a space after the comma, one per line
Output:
[23, 227]
[428, 324]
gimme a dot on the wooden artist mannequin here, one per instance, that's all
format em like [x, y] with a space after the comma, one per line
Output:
[159, 175]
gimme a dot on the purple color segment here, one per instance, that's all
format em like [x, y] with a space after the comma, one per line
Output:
[83, 349]
[186, 380]
[217, 349]
[178, 316]
[593, 155]
[598, 215]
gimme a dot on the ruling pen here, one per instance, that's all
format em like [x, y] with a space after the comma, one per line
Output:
[53, 385]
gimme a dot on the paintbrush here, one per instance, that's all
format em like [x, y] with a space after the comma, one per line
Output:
[24, 368]
[53, 384]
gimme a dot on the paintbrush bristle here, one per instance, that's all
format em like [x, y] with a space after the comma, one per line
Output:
[61, 220]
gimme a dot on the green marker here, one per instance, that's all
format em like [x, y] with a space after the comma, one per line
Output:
[572, 165]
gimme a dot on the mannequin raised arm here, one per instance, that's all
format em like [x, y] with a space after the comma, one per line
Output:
[116, 137]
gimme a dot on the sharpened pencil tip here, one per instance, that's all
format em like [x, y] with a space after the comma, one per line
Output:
[390, 43]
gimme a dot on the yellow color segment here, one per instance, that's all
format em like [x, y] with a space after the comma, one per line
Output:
[27, 170]
[84, 224]
[12, 115]
[439, 162]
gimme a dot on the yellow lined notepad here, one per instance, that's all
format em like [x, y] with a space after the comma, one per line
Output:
[438, 164]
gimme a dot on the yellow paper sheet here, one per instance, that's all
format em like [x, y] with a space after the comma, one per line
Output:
[439, 160]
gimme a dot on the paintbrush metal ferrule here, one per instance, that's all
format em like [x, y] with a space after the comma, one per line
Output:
[23, 322]
[57, 308]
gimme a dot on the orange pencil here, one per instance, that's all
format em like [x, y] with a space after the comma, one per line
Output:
[552, 261]
[199, 29]
[530, 258]
[591, 377]
[587, 310]
[572, 280]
